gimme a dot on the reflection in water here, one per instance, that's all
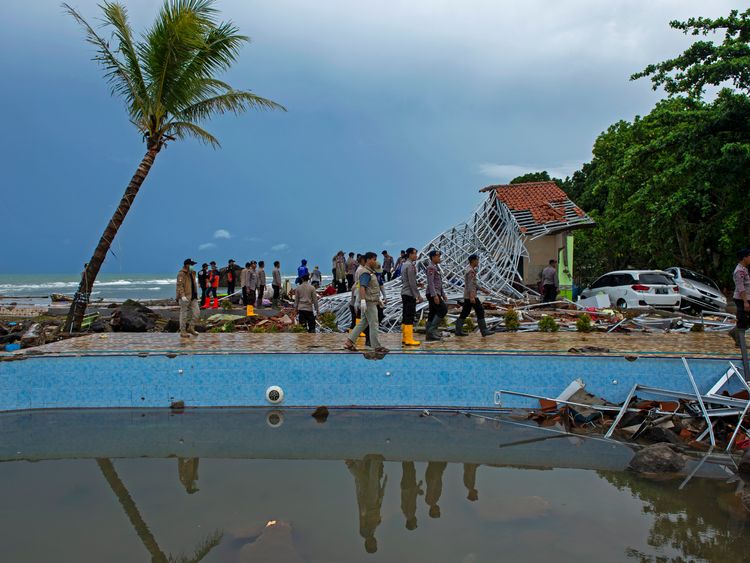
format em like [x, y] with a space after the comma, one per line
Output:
[702, 522]
[410, 489]
[287, 498]
[368, 473]
[139, 524]
[433, 476]
[470, 480]
[187, 469]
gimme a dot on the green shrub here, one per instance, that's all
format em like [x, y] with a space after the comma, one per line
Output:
[295, 328]
[328, 320]
[267, 328]
[583, 324]
[226, 304]
[469, 325]
[548, 324]
[697, 327]
[511, 320]
[226, 327]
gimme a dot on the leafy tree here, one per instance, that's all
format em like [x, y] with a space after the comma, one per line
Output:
[542, 176]
[669, 188]
[706, 63]
[169, 81]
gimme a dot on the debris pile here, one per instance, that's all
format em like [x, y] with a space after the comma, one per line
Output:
[716, 420]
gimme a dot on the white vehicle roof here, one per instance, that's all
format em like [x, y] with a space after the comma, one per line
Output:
[636, 272]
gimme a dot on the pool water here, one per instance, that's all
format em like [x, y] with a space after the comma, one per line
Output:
[259, 502]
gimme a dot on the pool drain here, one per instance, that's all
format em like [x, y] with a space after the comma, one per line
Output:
[274, 394]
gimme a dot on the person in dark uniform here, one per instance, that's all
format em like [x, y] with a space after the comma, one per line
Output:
[231, 277]
[203, 284]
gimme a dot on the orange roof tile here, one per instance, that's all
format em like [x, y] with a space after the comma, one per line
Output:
[536, 198]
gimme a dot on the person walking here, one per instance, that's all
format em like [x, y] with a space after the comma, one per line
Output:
[231, 278]
[203, 284]
[243, 282]
[351, 269]
[339, 272]
[302, 271]
[549, 282]
[471, 301]
[213, 287]
[399, 263]
[251, 285]
[387, 266]
[369, 292]
[381, 303]
[306, 304]
[276, 282]
[410, 296]
[316, 277]
[436, 296]
[354, 301]
[187, 297]
[261, 282]
[741, 294]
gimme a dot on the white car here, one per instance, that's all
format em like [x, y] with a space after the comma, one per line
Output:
[632, 289]
[698, 292]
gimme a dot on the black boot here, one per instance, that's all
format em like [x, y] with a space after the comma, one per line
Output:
[432, 333]
[483, 328]
[460, 327]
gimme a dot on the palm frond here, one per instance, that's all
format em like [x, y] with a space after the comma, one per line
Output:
[116, 15]
[235, 101]
[219, 50]
[185, 129]
[115, 71]
[170, 44]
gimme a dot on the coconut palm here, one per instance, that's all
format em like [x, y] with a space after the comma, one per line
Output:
[169, 80]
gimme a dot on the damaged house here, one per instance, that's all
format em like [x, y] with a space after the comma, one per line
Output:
[515, 231]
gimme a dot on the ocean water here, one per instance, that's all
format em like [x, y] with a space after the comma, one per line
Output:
[36, 288]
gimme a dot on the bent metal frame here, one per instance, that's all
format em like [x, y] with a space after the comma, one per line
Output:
[494, 233]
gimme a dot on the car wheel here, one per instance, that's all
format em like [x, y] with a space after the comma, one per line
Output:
[622, 304]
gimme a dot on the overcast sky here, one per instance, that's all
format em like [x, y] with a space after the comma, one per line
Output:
[399, 112]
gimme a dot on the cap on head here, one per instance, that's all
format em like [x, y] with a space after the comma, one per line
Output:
[204, 265]
[212, 263]
[189, 262]
[231, 261]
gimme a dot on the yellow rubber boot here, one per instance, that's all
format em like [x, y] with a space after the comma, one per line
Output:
[250, 311]
[407, 336]
[361, 334]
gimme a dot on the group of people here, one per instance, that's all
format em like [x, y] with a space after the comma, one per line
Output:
[362, 275]
[252, 282]
[369, 292]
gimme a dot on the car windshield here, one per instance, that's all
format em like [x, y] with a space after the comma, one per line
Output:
[700, 278]
[654, 279]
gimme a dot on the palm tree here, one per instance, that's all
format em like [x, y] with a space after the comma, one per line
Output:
[168, 80]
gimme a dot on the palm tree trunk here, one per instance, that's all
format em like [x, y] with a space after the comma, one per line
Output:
[91, 270]
[134, 515]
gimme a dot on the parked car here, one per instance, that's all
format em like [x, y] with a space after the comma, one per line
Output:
[628, 289]
[698, 292]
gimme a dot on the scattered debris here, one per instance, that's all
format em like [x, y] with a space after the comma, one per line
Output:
[320, 415]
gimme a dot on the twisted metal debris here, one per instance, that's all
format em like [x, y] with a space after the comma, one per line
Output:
[494, 233]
